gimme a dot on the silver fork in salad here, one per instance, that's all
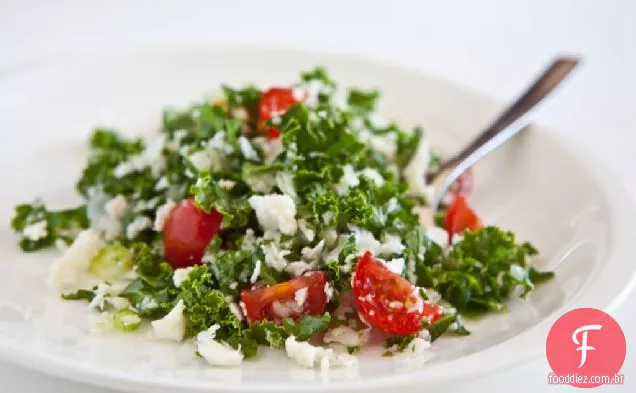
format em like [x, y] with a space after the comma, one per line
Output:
[514, 119]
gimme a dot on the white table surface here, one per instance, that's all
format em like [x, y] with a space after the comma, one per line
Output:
[491, 46]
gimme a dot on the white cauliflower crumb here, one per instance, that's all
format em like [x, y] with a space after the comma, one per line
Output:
[172, 326]
[313, 254]
[438, 235]
[300, 296]
[70, 272]
[310, 356]
[373, 175]
[247, 149]
[275, 257]
[349, 179]
[417, 346]
[285, 183]
[180, 275]
[275, 212]
[307, 232]
[217, 353]
[139, 224]
[102, 292]
[271, 148]
[328, 291]
[256, 272]
[116, 207]
[162, 214]
[415, 171]
[366, 241]
[396, 265]
[227, 184]
[162, 184]
[298, 268]
[36, 231]
[346, 336]
[518, 272]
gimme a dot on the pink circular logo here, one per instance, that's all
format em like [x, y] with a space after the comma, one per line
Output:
[585, 348]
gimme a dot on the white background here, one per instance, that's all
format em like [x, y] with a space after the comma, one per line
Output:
[490, 46]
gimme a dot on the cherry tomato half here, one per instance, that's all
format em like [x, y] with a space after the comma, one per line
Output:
[387, 301]
[300, 296]
[460, 217]
[187, 232]
[273, 132]
[274, 102]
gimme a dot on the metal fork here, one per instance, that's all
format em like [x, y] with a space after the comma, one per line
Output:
[510, 122]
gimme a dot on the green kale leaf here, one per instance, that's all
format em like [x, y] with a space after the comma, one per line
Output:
[205, 305]
[480, 273]
[247, 98]
[336, 273]
[107, 151]
[153, 293]
[82, 294]
[307, 326]
[268, 333]
[231, 267]
[208, 195]
[61, 224]
[400, 342]
[362, 102]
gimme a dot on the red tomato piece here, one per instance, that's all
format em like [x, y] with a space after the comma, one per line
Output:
[460, 217]
[274, 102]
[300, 296]
[187, 232]
[273, 133]
[387, 301]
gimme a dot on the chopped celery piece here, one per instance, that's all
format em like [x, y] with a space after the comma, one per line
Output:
[112, 262]
[126, 320]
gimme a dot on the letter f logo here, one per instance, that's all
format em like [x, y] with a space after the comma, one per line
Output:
[584, 347]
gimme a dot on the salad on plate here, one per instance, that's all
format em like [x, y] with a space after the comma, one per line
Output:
[292, 217]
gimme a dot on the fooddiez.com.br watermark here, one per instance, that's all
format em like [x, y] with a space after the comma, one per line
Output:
[586, 348]
[578, 379]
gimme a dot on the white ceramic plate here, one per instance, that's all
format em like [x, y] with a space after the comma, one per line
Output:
[536, 186]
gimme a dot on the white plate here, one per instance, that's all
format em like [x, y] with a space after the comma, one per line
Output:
[536, 186]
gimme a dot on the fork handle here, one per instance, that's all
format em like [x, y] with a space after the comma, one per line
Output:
[510, 122]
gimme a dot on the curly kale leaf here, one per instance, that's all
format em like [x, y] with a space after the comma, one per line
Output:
[200, 122]
[480, 273]
[232, 267]
[247, 98]
[391, 207]
[82, 294]
[107, 150]
[153, 293]
[206, 305]
[208, 195]
[268, 333]
[49, 225]
[336, 273]
[327, 85]
[539, 277]
[400, 342]
[307, 326]
[448, 324]
[362, 102]
[328, 209]
[313, 142]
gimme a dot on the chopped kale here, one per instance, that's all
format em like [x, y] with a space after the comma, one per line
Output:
[82, 294]
[340, 164]
[153, 293]
[40, 228]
